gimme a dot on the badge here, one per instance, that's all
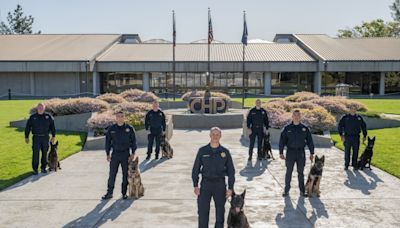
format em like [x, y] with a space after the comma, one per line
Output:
[359, 118]
[160, 114]
[263, 112]
[304, 129]
[47, 117]
[206, 155]
[127, 130]
[223, 154]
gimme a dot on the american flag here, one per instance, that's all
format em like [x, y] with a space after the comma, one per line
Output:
[210, 31]
[173, 29]
[245, 32]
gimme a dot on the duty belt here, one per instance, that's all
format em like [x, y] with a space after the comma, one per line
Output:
[214, 179]
[295, 148]
[39, 135]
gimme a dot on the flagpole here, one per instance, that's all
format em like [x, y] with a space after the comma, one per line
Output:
[244, 58]
[173, 53]
[208, 41]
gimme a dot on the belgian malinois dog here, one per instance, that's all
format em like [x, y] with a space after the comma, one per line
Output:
[366, 156]
[266, 147]
[52, 158]
[236, 217]
[166, 148]
[314, 177]
[136, 189]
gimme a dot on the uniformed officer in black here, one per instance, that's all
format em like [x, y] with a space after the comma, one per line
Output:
[41, 124]
[155, 122]
[349, 128]
[120, 137]
[257, 124]
[214, 162]
[295, 136]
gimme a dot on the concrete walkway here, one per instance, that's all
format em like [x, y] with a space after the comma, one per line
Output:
[70, 197]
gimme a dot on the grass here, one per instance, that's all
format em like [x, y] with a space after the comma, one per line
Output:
[386, 150]
[15, 155]
[389, 106]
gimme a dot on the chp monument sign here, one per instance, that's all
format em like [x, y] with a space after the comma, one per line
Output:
[210, 105]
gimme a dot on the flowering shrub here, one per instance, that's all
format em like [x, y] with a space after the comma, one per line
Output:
[301, 96]
[131, 107]
[318, 119]
[331, 105]
[348, 103]
[201, 93]
[60, 107]
[139, 95]
[100, 122]
[277, 104]
[278, 118]
[111, 98]
[303, 105]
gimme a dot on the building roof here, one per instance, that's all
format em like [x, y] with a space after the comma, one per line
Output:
[264, 52]
[53, 47]
[352, 49]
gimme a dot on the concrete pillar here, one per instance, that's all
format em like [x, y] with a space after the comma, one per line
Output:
[382, 84]
[146, 81]
[32, 83]
[96, 83]
[267, 83]
[317, 82]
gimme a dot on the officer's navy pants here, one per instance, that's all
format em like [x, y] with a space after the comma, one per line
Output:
[116, 160]
[295, 156]
[351, 142]
[39, 143]
[151, 137]
[259, 133]
[217, 191]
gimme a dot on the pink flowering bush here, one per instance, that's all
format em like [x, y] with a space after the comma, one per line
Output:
[132, 107]
[318, 119]
[101, 120]
[348, 103]
[301, 96]
[336, 108]
[200, 93]
[277, 104]
[278, 118]
[303, 105]
[139, 95]
[111, 98]
[60, 107]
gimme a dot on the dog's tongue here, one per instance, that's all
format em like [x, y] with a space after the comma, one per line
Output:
[237, 209]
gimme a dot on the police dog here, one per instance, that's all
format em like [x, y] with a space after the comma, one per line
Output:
[366, 156]
[136, 189]
[236, 217]
[166, 148]
[266, 147]
[52, 158]
[314, 177]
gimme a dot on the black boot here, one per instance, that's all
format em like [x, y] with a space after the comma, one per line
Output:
[148, 157]
[107, 196]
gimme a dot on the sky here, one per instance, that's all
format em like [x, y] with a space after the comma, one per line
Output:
[152, 19]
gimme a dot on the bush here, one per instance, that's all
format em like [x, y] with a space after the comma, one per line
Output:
[301, 96]
[101, 120]
[111, 98]
[318, 119]
[131, 107]
[331, 106]
[138, 95]
[278, 118]
[60, 107]
[131, 93]
[277, 104]
[348, 103]
[303, 105]
[200, 93]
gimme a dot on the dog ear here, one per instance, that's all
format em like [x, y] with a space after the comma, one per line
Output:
[243, 194]
[369, 139]
[373, 139]
[56, 143]
[323, 158]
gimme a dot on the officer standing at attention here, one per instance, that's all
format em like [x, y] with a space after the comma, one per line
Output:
[349, 128]
[120, 137]
[214, 162]
[41, 124]
[257, 119]
[155, 122]
[295, 136]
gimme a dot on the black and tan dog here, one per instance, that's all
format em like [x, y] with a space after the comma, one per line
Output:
[136, 189]
[366, 156]
[314, 177]
[236, 217]
[52, 158]
[166, 148]
[266, 147]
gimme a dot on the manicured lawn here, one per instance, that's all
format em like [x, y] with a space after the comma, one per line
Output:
[386, 150]
[389, 106]
[250, 102]
[15, 155]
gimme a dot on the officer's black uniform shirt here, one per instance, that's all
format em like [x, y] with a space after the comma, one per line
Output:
[296, 137]
[40, 125]
[213, 163]
[352, 125]
[120, 139]
[155, 120]
[257, 117]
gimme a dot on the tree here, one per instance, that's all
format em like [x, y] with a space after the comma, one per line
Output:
[374, 28]
[395, 7]
[18, 23]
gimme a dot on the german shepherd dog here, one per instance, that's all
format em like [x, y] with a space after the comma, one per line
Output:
[236, 217]
[266, 147]
[366, 156]
[314, 177]
[136, 189]
[52, 158]
[166, 148]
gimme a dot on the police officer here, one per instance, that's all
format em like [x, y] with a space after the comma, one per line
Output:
[120, 137]
[41, 124]
[155, 122]
[295, 136]
[257, 120]
[214, 162]
[349, 128]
